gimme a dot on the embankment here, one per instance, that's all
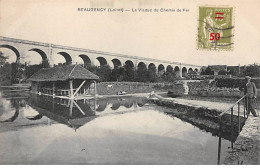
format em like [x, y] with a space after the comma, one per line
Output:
[204, 118]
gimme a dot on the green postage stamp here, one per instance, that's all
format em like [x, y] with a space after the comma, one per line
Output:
[215, 31]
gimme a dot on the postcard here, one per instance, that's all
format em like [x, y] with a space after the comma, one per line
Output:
[129, 82]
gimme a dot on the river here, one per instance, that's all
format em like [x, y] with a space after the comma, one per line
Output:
[123, 130]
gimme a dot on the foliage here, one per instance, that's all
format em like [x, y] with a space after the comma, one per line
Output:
[207, 71]
[222, 72]
[235, 83]
[30, 70]
[253, 70]
[2, 59]
[5, 74]
[127, 73]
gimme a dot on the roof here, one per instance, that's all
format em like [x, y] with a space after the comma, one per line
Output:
[218, 67]
[62, 73]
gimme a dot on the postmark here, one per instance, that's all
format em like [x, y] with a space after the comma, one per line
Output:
[215, 28]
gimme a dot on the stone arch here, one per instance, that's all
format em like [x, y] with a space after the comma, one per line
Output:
[169, 68]
[102, 61]
[42, 53]
[85, 59]
[115, 106]
[141, 102]
[184, 71]
[66, 56]
[176, 68]
[141, 65]
[129, 63]
[190, 70]
[152, 67]
[14, 117]
[196, 70]
[161, 68]
[129, 104]
[117, 63]
[18, 57]
[129, 70]
[102, 104]
[177, 71]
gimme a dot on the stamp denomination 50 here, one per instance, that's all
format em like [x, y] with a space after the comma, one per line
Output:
[215, 31]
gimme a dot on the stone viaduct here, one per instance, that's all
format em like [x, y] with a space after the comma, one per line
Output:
[71, 55]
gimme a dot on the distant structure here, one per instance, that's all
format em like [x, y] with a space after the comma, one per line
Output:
[51, 53]
[231, 70]
[217, 68]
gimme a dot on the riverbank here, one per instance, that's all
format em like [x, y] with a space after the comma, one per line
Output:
[203, 114]
[247, 146]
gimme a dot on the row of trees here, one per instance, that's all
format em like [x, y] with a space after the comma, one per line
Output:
[15, 72]
[128, 73]
[252, 70]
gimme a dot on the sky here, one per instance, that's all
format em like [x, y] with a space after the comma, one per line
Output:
[170, 36]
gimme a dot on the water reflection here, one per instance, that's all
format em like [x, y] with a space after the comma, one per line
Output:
[107, 138]
[10, 111]
[69, 112]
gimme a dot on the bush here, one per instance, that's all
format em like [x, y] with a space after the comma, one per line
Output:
[235, 83]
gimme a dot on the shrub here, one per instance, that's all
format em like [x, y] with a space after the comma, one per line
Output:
[235, 83]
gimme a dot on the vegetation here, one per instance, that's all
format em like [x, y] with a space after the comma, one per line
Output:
[235, 83]
[207, 71]
[16, 73]
[2, 59]
[253, 70]
[127, 73]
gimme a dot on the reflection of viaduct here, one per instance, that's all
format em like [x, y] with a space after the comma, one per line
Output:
[53, 53]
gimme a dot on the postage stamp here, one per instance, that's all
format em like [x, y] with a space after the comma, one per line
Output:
[215, 31]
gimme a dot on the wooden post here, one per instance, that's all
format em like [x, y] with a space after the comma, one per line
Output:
[79, 88]
[53, 89]
[219, 139]
[232, 127]
[238, 117]
[71, 107]
[37, 88]
[71, 89]
[95, 98]
[78, 107]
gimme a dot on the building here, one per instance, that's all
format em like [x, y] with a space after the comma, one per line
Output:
[68, 82]
[217, 68]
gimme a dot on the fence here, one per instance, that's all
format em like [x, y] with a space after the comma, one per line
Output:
[231, 109]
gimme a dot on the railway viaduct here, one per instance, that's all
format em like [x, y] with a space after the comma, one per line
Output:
[72, 55]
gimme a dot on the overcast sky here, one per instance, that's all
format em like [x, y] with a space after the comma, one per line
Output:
[166, 36]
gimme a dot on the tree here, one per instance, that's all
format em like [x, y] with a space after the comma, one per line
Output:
[169, 77]
[222, 72]
[253, 70]
[129, 73]
[2, 59]
[117, 74]
[207, 71]
[31, 69]
[141, 74]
